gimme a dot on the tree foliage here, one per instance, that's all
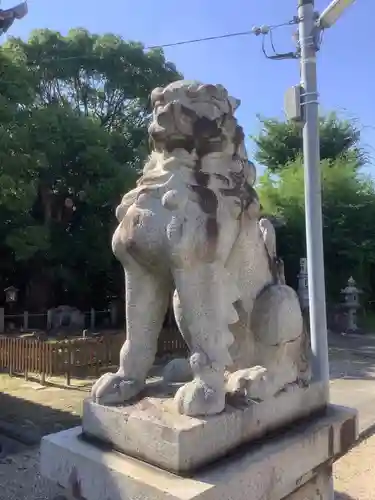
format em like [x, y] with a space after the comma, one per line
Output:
[348, 200]
[98, 76]
[280, 143]
[73, 115]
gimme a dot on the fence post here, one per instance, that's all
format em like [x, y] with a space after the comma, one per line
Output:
[92, 319]
[26, 359]
[11, 356]
[49, 320]
[69, 360]
[25, 320]
[2, 320]
[42, 355]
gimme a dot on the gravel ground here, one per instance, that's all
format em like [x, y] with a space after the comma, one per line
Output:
[32, 411]
[354, 473]
[20, 478]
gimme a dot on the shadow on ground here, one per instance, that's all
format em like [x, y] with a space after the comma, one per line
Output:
[356, 365]
[342, 496]
[28, 421]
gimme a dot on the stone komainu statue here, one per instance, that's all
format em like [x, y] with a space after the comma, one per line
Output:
[192, 226]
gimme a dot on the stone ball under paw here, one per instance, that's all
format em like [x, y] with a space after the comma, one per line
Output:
[177, 371]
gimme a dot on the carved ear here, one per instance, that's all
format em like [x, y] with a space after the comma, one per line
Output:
[234, 103]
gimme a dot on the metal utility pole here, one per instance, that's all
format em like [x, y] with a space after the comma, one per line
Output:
[310, 27]
[302, 107]
[309, 30]
[308, 46]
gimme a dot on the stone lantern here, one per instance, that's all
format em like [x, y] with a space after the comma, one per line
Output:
[303, 285]
[351, 302]
[11, 294]
[11, 297]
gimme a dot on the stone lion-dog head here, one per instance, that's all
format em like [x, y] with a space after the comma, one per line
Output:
[192, 121]
[199, 118]
[196, 117]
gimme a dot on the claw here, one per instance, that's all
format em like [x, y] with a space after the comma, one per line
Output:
[113, 389]
[197, 398]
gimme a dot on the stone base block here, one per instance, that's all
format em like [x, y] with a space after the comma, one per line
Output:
[276, 468]
[318, 488]
[153, 431]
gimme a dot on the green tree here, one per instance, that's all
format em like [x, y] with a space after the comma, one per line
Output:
[79, 184]
[17, 158]
[280, 143]
[101, 76]
[72, 130]
[348, 209]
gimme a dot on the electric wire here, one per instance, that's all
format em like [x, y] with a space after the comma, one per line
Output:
[266, 30]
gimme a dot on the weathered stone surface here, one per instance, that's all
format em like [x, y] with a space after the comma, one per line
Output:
[152, 430]
[318, 488]
[192, 228]
[273, 469]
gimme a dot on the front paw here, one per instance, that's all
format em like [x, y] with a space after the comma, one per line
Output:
[254, 383]
[196, 398]
[112, 388]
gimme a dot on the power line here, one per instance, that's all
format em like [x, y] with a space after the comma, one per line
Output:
[254, 31]
[197, 40]
[262, 30]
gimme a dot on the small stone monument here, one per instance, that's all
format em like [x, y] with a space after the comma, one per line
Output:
[66, 318]
[351, 302]
[250, 423]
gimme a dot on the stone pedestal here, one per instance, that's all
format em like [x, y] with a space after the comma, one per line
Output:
[152, 430]
[292, 464]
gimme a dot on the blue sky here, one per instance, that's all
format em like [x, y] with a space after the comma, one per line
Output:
[346, 61]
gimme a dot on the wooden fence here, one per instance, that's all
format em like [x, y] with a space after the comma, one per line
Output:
[74, 358]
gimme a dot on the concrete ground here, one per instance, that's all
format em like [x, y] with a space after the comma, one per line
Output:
[29, 410]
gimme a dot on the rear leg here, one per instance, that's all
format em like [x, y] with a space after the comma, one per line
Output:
[147, 298]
